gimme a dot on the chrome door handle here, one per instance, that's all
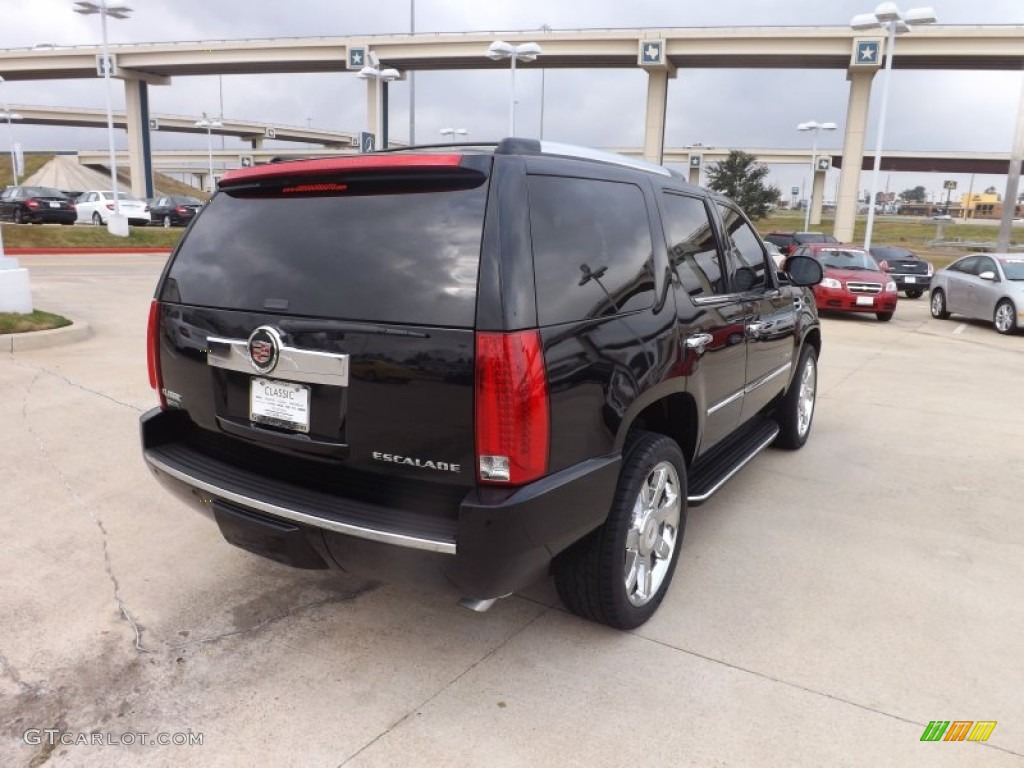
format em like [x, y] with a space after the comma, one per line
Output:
[698, 341]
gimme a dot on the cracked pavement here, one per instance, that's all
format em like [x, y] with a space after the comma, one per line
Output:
[829, 603]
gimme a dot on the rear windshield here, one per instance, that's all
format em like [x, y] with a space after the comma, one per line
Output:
[388, 257]
[892, 253]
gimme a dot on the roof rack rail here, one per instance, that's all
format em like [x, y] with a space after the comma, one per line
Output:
[516, 146]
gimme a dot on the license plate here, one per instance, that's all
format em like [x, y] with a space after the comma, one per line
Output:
[910, 279]
[865, 301]
[280, 404]
[55, 205]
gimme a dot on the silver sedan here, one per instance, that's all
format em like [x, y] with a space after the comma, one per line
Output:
[986, 286]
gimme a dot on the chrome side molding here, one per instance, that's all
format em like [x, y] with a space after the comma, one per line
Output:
[304, 365]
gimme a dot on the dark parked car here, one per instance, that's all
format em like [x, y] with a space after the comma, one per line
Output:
[911, 273]
[474, 367]
[36, 205]
[174, 210]
[787, 242]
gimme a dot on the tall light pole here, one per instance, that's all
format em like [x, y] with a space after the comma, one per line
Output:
[543, 79]
[412, 79]
[116, 224]
[209, 125]
[453, 132]
[498, 50]
[888, 17]
[817, 128]
[375, 72]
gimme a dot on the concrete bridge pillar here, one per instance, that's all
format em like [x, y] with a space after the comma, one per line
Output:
[654, 123]
[818, 196]
[853, 154]
[371, 108]
[140, 155]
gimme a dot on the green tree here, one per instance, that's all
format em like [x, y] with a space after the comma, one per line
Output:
[915, 195]
[741, 178]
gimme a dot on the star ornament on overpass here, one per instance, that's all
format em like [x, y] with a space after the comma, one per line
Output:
[867, 52]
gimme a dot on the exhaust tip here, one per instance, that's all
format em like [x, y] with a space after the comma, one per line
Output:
[475, 604]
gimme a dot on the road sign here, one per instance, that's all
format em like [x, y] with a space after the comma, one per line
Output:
[794, 191]
[949, 185]
[652, 53]
[270, 133]
[867, 53]
[245, 161]
[154, 124]
[822, 163]
[109, 63]
[356, 57]
[366, 142]
[696, 161]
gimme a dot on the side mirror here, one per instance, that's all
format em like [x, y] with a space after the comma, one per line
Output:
[988, 275]
[803, 270]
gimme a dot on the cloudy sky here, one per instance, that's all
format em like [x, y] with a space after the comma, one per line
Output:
[722, 108]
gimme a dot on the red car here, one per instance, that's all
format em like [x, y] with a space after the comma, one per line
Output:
[853, 282]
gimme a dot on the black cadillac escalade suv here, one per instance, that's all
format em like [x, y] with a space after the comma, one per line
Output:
[474, 366]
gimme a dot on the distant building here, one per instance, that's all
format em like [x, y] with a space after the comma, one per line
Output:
[984, 205]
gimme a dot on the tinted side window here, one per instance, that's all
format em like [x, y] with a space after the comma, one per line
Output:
[968, 266]
[591, 248]
[692, 247]
[751, 269]
[985, 264]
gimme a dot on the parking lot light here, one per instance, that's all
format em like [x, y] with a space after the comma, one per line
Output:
[380, 75]
[498, 50]
[209, 125]
[453, 132]
[887, 16]
[116, 224]
[6, 114]
[817, 127]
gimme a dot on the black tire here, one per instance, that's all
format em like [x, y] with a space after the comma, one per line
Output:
[97, 219]
[68, 223]
[591, 574]
[167, 222]
[19, 217]
[884, 317]
[791, 413]
[1004, 319]
[915, 294]
[938, 305]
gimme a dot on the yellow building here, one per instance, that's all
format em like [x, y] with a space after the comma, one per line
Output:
[983, 205]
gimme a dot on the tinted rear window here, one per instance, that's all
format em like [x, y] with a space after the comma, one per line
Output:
[398, 258]
[591, 248]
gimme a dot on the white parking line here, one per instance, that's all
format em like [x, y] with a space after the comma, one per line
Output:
[960, 328]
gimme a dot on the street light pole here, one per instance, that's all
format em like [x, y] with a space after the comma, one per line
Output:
[379, 75]
[453, 132]
[817, 128]
[888, 17]
[209, 125]
[7, 115]
[499, 49]
[115, 224]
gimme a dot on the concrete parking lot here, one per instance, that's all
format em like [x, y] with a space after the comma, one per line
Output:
[829, 603]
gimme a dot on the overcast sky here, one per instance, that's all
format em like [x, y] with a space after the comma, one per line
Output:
[723, 108]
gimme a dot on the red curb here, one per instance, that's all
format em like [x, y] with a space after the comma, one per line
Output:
[72, 251]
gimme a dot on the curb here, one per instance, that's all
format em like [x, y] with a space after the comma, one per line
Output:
[79, 330]
[72, 251]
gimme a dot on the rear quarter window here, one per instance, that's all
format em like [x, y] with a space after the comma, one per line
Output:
[592, 248]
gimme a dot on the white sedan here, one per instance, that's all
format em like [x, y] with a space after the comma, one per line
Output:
[96, 206]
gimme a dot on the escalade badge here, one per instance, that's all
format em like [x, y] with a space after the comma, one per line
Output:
[264, 345]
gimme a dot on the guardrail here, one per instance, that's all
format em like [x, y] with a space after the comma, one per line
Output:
[974, 245]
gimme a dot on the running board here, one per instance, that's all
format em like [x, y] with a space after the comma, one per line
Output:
[712, 471]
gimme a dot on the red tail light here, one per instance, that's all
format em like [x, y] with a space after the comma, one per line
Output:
[110, 206]
[181, 209]
[32, 203]
[512, 429]
[156, 379]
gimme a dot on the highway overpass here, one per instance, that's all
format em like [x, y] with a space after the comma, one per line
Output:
[659, 52]
[247, 130]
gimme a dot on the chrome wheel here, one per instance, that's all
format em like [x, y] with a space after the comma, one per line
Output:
[1004, 317]
[939, 305]
[805, 398]
[167, 222]
[653, 534]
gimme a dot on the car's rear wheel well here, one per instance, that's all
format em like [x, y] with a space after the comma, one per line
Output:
[674, 416]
